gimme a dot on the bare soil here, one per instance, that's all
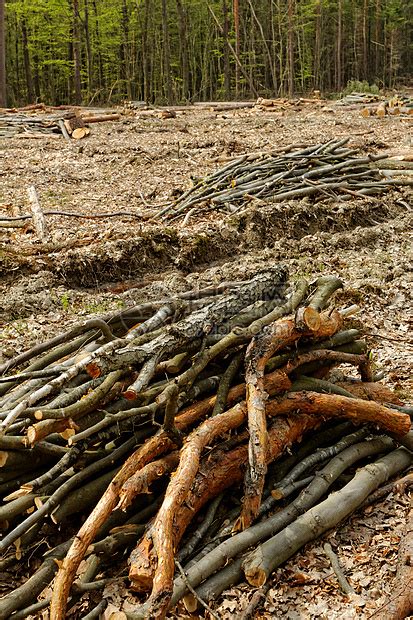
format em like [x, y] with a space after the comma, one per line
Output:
[92, 266]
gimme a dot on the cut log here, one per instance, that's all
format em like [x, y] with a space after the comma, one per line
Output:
[80, 132]
[73, 121]
[381, 110]
[99, 118]
[37, 214]
[259, 564]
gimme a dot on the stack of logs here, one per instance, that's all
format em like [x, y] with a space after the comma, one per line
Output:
[395, 106]
[38, 120]
[372, 104]
[140, 420]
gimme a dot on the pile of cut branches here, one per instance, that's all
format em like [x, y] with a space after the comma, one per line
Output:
[215, 386]
[331, 169]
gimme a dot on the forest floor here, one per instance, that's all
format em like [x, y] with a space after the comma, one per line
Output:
[92, 266]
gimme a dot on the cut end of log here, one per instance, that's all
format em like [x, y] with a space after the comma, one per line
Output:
[38, 501]
[255, 577]
[130, 394]
[80, 132]
[24, 490]
[307, 318]
[93, 370]
[190, 603]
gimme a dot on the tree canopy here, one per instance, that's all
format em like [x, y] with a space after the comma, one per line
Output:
[167, 51]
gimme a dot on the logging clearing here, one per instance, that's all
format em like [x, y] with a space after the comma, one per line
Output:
[187, 402]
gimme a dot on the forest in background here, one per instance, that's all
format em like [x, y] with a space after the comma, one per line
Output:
[178, 51]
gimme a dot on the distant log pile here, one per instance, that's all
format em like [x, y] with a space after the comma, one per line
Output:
[356, 98]
[376, 105]
[39, 120]
[281, 103]
[214, 385]
[396, 106]
[331, 169]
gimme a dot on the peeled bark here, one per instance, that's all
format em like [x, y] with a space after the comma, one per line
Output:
[221, 471]
[280, 334]
[354, 409]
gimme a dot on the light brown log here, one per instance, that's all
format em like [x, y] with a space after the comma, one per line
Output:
[37, 214]
[99, 118]
[282, 333]
[80, 132]
[40, 430]
[333, 405]
[218, 473]
[371, 391]
[144, 478]
[381, 110]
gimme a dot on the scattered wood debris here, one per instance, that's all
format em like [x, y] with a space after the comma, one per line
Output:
[110, 409]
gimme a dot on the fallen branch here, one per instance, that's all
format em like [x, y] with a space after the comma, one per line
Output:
[259, 564]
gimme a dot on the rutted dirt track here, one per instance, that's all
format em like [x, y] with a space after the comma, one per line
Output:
[91, 266]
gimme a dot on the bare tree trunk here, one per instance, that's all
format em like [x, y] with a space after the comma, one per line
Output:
[27, 67]
[377, 39]
[274, 48]
[89, 58]
[76, 53]
[266, 46]
[290, 46]
[365, 21]
[235, 10]
[126, 74]
[183, 49]
[99, 54]
[3, 94]
[317, 45]
[339, 51]
[166, 54]
[145, 54]
[225, 33]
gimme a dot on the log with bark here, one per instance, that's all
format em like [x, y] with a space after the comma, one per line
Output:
[121, 436]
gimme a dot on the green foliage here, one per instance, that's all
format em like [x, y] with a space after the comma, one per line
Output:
[65, 302]
[355, 86]
[123, 51]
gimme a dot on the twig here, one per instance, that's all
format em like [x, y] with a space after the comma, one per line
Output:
[194, 592]
[335, 564]
[256, 601]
